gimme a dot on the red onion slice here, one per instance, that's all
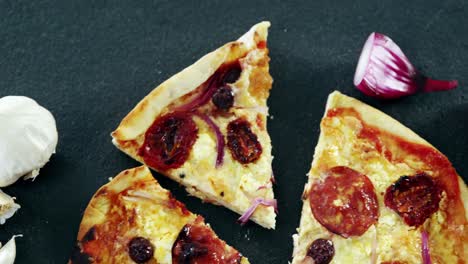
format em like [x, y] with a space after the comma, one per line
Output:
[219, 137]
[265, 186]
[202, 98]
[383, 71]
[425, 248]
[255, 203]
[273, 179]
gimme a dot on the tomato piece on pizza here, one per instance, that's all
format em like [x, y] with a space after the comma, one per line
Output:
[132, 219]
[205, 127]
[379, 193]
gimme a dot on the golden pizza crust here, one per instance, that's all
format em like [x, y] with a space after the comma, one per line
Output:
[374, 117]
[132, 204]
[99, 204]
[232, 185]
[357, 249]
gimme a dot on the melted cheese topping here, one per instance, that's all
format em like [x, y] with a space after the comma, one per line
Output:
[135, 205]
[233, 185]
[339, 144]
[155, 221]
[132, 205]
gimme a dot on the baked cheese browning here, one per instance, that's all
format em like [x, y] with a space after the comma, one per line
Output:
[133, 220]
[357, 136]
[231, 82]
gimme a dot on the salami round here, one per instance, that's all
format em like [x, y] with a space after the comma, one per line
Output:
[414, 198]
[344, 202]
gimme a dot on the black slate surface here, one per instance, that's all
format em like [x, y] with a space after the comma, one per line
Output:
[90, 62]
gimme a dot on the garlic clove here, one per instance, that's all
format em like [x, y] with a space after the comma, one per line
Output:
[8, 252]
[8, 207]
[28, 137]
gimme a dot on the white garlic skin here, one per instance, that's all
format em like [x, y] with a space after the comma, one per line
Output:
[8, 252]
[8, 207]
[28, 137]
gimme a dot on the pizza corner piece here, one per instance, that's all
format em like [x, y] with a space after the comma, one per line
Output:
[206, 128]
[379, 193]
[132, 219]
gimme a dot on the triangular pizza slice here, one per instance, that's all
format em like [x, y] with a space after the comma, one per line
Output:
[205, 127]
[379, 193]
[132, 219]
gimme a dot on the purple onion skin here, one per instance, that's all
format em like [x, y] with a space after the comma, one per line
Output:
[384, 72]
[255, 203]
[425, 248]
[219, 137]
[201, 99]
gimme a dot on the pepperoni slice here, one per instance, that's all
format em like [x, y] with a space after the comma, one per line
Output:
[242, 142]
[414, 198]
[168, 141]
[344, 202]
[198, 244]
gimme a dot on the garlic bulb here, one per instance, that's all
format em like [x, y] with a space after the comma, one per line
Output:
[8, 252]
[28, 137]
[8, 207]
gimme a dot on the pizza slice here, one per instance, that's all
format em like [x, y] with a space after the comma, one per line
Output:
[378, 193]
[132, 219]
[205, 127]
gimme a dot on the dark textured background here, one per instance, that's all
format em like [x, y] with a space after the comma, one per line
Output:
[91, 62]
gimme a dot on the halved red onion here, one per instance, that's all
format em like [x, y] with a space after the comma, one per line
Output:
[383, 71]
[425, 248]
[219, 137]
[255, 203]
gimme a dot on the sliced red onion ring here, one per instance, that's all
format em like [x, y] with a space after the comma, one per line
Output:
[425, 248]
[265, 186]
[219, 137]
[255, 203]
[383, 71]
[202, 98]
